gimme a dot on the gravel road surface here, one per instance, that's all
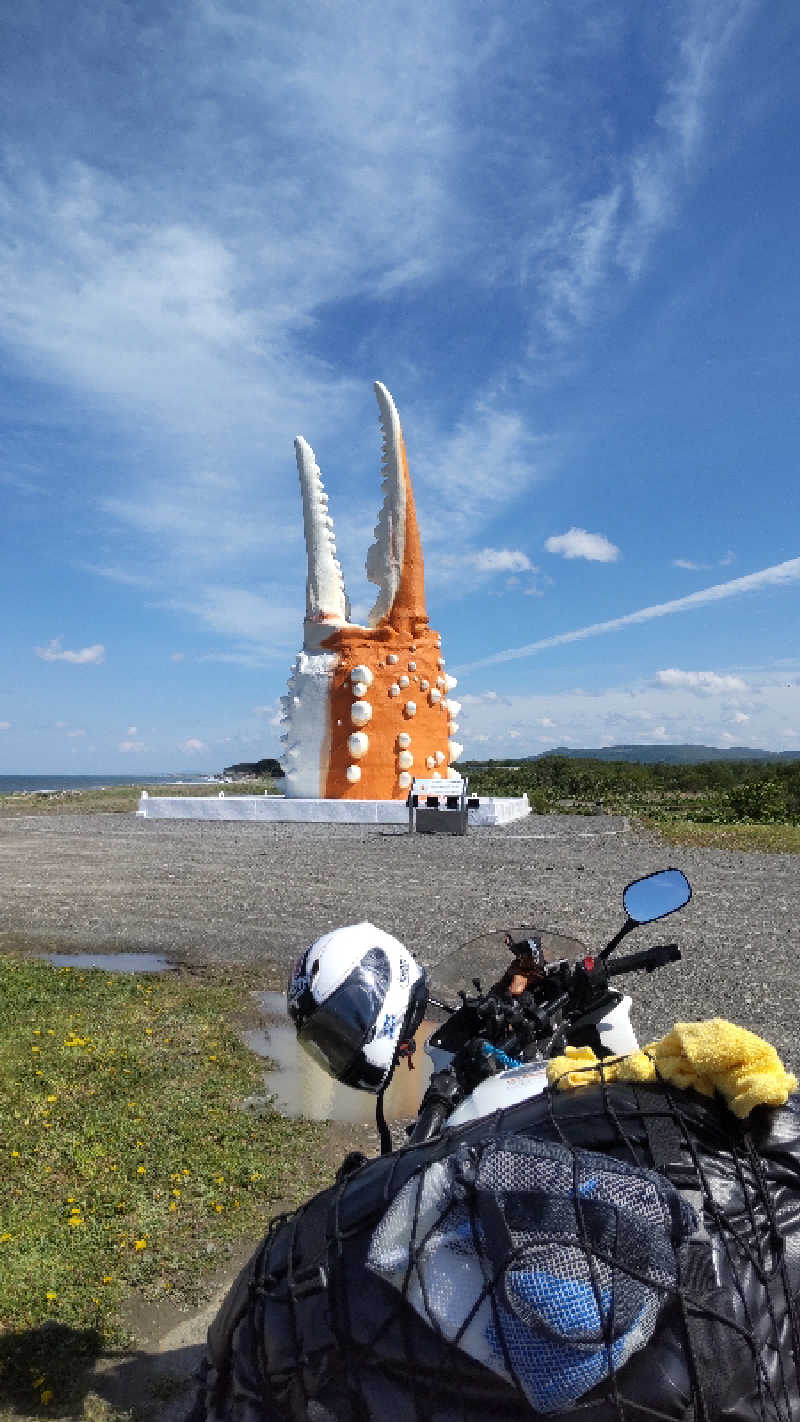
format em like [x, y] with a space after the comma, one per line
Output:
[236, 893]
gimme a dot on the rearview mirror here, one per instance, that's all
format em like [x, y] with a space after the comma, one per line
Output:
[656, 895]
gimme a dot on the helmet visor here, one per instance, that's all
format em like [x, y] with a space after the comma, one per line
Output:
[337, 1030]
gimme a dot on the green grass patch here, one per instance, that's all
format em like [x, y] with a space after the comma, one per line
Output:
[117, 799]
[127, 1163]
[771, 838]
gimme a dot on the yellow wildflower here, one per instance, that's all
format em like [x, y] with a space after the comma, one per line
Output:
[140, 1244]
[172, 1207]
[15, 1153]
[4, 1238]
[52, 1098]
[51, 1295]
[46, 1395]
[106, 1278]
[141, 1170]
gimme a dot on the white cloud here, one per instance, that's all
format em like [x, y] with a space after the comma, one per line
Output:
[740, 717]
[130, 747]
[502, 560]
[54, 652]
[192, 745]
[693, 567]
[78, 731]
[480, 698]
[577, 543]
[637, 713]
[5, 725]
[131, 731]
[273, 712]
[177, 656]
[703, 682]
[779, 575]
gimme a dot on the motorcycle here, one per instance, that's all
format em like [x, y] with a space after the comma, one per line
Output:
[617, 1252]
[492, 1051]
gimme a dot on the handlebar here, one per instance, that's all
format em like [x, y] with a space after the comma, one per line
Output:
[649, 958]
[441, 1097]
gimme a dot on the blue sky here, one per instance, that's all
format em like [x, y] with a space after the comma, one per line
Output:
[565, 236]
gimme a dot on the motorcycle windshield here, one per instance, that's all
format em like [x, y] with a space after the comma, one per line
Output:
[487, 956]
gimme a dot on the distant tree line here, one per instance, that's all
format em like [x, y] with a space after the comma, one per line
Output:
[724, 790]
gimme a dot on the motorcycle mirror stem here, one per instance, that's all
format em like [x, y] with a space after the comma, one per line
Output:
[628, 925]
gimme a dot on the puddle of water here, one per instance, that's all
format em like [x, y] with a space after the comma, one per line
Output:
[111, 962]
[273, 1003]
[301, 1088]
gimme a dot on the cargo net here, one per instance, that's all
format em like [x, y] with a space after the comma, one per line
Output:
[614, 1252]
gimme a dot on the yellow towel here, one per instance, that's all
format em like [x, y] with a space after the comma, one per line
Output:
[710, 1056]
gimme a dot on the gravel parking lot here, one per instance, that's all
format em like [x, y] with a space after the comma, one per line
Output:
[235, 893]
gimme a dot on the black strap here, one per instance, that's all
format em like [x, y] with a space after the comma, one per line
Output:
[381, 1126]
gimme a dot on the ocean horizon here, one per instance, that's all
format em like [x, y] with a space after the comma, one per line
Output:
[30, 784]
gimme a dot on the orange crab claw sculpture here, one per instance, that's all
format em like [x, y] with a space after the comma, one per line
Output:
[368, 708]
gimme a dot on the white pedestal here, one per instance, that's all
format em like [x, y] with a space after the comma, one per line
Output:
[278, 809]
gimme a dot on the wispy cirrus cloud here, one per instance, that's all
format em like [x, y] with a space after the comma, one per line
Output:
[86, 656]
[600, 233]
[780, 575]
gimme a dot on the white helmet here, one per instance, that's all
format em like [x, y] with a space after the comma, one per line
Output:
[355, 996]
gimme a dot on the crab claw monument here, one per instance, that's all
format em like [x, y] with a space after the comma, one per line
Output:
[368, 708]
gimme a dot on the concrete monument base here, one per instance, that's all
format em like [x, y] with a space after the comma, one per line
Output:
[277, 809]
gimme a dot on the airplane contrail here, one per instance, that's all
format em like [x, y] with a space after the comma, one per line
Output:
[788, 572]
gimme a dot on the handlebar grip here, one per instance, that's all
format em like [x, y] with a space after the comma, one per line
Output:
[649, 958]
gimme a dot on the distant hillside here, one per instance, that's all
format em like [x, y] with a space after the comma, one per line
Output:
[670, 755]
